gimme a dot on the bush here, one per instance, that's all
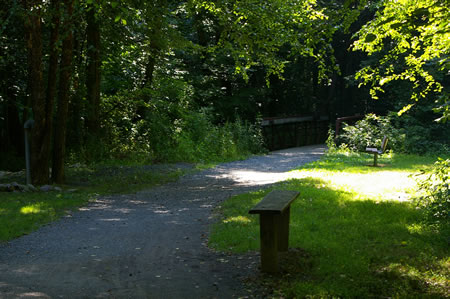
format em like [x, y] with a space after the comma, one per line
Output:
[200, 140]
[159, 125]
[422, 136]
[370, 132]
[434, 192]
[406, 134]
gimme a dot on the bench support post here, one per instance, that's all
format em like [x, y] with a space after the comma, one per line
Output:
[283, 230]
[269, 241]
[375, 159]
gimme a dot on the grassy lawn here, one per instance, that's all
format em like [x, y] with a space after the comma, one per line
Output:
[22, 213]
[355, 231]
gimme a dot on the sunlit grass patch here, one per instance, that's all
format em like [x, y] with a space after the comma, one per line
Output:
[237, 219]
[33, 208]
[362, 235]
[21, 213]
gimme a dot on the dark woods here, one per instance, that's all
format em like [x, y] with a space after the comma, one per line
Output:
[177, 80]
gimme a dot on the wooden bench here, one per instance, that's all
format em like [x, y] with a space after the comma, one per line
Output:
[376, 152]
[274, 214]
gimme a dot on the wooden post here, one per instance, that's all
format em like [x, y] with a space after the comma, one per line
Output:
[375, 159]
[269, 242]
[283, 230]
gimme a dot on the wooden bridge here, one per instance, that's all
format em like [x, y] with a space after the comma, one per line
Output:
[285, 132]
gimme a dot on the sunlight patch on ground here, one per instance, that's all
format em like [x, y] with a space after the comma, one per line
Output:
[237, 219]
[385, 185]
[258, 177]
[31, 209]
[381, 185]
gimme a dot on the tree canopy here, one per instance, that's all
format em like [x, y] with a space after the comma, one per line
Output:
[108, 78]
[413, 38]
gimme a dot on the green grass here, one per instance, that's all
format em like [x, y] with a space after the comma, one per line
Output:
[357, 239]
[22, 213]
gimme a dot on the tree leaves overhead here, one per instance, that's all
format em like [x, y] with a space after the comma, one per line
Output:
[413, 38]
[253, 31]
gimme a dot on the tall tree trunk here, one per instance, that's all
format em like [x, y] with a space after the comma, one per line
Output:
[40, 151]
[52, 70]
[93, 72]
[75, 105]
[59, 142]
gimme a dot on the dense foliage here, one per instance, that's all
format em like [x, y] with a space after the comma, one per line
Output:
[434, 186]
[172, 80]
[413, 40]
[406, 134]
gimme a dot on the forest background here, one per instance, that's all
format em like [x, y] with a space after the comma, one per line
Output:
[163, 80]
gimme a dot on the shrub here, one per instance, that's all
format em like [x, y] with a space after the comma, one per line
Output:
[422, 136]
[200, 140]
[160, 125]
[434, 192]
[406, 134]
[370, 132]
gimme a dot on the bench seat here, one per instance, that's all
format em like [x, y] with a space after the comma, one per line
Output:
[376, 152]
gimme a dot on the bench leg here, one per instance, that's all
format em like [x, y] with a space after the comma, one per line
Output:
[269, 241]
[375, 159]
[283, 230]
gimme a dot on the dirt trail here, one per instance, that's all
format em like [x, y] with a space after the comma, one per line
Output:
[146, 245]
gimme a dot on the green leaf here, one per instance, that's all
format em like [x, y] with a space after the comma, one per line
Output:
[114, 4]
[117, 19]
[124, 22]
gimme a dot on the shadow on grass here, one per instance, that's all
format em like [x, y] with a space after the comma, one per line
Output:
[349, 247]
[124, 179]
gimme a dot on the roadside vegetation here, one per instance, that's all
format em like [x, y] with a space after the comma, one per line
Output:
[24, 212]
[124, 170]
[356, 230]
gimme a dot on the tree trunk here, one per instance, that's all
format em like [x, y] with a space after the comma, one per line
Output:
[52, 70]
[59, 142]
[40, 150]
[93, 73]
[149, 70]
[75, 105]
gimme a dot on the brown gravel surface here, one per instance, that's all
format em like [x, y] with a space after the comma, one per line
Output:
[151, 244]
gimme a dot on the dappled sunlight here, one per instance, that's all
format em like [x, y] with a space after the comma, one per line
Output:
[112, 219]
[419, 277]
[33, 295]
[31, 209]
[237, 219]
[255, 178]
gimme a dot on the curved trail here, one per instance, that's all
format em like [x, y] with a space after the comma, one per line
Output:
[151, 244]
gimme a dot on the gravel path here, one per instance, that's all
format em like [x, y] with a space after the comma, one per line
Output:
[146, 245]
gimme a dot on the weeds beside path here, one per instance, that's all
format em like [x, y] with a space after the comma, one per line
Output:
[151, 244]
